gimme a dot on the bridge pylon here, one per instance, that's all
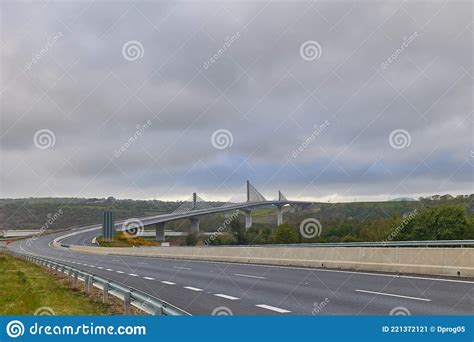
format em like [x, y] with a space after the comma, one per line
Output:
[281, 197]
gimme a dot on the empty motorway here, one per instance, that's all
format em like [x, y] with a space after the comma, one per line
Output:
[201, 288]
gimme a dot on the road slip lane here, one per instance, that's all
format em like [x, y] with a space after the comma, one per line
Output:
[393, 295]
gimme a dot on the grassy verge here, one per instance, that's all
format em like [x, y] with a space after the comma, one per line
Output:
[26, 288]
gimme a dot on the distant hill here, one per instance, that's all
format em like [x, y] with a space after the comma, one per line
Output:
[57, 213]
[403, 199]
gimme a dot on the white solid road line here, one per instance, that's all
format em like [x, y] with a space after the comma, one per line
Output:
[272, 308]
[225, 296]
[248, 276]
[168, 282]
[182, 268]
[193, 288]
[149, 278]
[394, 295]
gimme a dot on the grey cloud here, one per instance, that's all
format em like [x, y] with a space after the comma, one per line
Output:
[259, 88]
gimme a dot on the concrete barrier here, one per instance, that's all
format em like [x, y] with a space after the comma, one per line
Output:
[436, 261]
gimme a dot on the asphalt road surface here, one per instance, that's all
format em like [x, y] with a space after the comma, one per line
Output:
[201, 287]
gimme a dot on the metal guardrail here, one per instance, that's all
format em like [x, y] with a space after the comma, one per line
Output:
[427, 243]
[128, 295]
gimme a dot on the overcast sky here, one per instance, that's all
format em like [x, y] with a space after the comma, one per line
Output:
[321, 100]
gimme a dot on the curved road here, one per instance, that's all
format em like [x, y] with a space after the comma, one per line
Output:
[200, 287]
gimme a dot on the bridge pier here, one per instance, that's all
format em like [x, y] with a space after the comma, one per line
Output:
[160, 231]
[248, 219]
[279, 215]
[194, 225]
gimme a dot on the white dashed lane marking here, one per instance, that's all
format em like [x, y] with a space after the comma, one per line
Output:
[120, 272]
[192, 288]
[148, 278]
[248, 276]
[182, 268]
[226, 296]
[272, 308]
[168, 282]
[133, 275]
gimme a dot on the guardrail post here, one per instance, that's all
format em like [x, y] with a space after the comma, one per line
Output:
[91, 283]
[75, 278]
[86, 283]
[158, 311]
[127, 296]
[106, 292]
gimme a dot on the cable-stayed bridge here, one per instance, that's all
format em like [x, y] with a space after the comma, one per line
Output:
[197, 207]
